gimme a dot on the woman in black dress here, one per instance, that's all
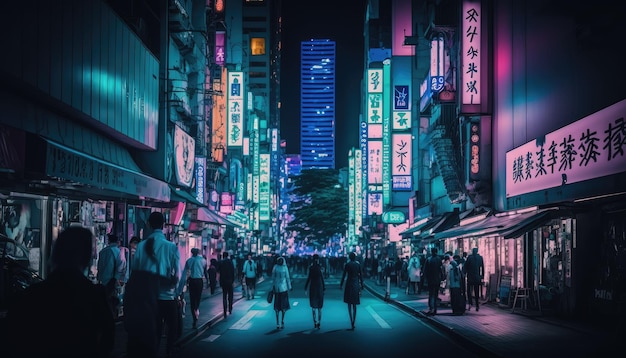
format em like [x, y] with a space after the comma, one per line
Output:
[354, 285]
[316, 292]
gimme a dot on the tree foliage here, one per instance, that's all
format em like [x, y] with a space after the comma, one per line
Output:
[319, 205]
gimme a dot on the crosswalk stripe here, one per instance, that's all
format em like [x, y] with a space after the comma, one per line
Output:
[211, 338]
[244, 322]
[377, 318]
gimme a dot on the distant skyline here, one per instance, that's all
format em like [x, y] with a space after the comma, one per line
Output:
[344, 25]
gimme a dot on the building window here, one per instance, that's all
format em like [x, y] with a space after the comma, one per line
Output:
[258, 46]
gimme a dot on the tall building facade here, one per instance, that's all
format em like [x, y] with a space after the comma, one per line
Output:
[317, 104]
[480, 127]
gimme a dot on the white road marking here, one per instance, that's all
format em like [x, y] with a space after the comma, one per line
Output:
[211, 338]
[377, 318]
[295, 303]
[244, 322]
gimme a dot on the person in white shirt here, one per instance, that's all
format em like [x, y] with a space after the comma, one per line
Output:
[110, 271]
[160, 257]
[250, 272]
[193, 273]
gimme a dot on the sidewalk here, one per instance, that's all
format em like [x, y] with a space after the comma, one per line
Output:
[495, 331]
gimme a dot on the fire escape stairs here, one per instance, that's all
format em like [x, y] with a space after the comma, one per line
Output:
[447, 163]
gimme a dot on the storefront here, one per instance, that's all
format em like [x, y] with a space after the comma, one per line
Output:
[528, 249]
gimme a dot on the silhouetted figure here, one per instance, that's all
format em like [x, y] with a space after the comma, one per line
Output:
[212, 275]
[474, 268]
[70, 313]
[226, 269]
[354, 285]
[316, 292]
[433, 271]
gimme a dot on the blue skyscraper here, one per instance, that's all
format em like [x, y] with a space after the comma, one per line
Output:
[317, 104]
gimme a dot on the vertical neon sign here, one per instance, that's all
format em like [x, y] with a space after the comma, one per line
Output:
[471, 53]
[386, 133]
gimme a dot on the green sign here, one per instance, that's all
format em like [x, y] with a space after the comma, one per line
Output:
[393, 217]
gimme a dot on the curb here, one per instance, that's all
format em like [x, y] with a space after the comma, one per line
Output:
[451, 332]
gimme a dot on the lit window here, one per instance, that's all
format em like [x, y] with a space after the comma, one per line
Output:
[258, 46]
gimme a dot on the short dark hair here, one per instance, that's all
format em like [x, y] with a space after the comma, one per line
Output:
[73, 249]
[352, 256]
[225, 254]
[112, 237]
[433, 251]
[156, 220]
[134, 239]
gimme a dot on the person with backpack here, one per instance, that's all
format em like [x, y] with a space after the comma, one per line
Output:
[250, 273]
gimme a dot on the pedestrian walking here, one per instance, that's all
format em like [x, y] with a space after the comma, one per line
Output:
[193, 273]
[110, 271]
[250, 273]
[455, 282]
[316, 287]
[212, 275]
[353, 278]
[474, 268]
[226, 269]
[152, 305]
[70, 310]
[433, 271]
[281, 287]
[414, 273]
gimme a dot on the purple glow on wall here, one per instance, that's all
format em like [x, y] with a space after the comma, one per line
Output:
[402, 26]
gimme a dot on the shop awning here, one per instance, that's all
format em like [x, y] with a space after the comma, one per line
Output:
[208, 215]
[509, 225]
[435, 224]
[446, 221]
[415, 230]
[533, 222]
[182, 195]
[118, 172]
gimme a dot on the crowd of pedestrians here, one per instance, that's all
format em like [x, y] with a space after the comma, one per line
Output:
[148, 277]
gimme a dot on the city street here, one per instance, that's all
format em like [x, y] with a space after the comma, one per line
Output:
[398, 325]
[381, 330]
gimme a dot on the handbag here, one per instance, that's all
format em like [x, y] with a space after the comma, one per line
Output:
[270, 295]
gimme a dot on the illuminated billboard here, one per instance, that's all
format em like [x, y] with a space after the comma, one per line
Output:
[471, 52]
[590, 148]
[235, 92]
[401, 161]
[184, 156]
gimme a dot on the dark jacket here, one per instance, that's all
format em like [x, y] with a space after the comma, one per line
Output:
[226, 269]
[71, 314]
[433, 270]
[316, 281]
[474, 269]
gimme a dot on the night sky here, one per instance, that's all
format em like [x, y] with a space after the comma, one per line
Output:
[342, 22]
